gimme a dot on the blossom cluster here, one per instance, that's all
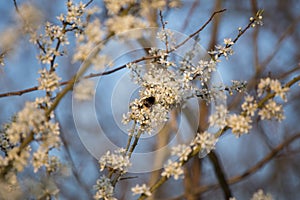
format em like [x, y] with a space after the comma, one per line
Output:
[104, 189]
[161, 91]
[260, 195]
[116, 161]
[143, 189]
[223, 50]
[271, 109]
[31, 122]
[202, 143]
[166, 87]
[48, 81]
[268, 85]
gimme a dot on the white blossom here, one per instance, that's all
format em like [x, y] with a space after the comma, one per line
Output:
[167, 37]
[104, 189]
[19, 158]
[165, 91]
[93, 31]
[222, 50]
[257, 19]
[182, 151]
[48, 81]
[8, 38]
[143, 189]
[75, 11]
[49, 135]
[280, 91]
[53, 164]
[205, 141]
[218, 118]
[40, 158]
[115, 161]
[228, 41]
[32, 122]
[173, 169]
[28, 119]
[249, 106]
[239, 124]
[271, 110]
[260, 195]
[274, 85]
[101, 61]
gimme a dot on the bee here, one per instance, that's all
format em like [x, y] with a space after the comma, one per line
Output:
[148, 102]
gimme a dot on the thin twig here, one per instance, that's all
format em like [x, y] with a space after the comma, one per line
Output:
[16, 7]
[135, 142]
[88, 3]
[91, 75]
[199, 30]
[163, 24]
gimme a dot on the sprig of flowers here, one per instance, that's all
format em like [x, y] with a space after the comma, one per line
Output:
[104, 189]
[115, 161]
[30, 122]
[143, 189]
[260, 195]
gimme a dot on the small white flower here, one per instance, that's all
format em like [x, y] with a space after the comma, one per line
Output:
[182, 151]
[19, 158]
[48, 81]
[274, 85]
[206, 141]
[239, 124]
[249, 106]
[260, 195]
[40, 158]
[173, 169]
[228, 41]
[143, 189]
[271, 110]
[104, 189]
[116, 161]
[280, 91]
[29, 119]
[218, 118]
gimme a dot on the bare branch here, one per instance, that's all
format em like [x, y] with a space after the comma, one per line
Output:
[220, 174]
[199, 30]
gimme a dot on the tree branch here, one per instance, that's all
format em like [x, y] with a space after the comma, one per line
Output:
[220, 174]
[199, 30]
[35, 88]
[252, 170]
